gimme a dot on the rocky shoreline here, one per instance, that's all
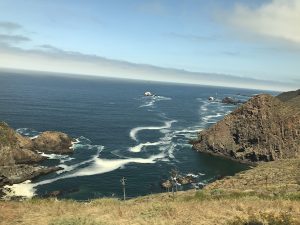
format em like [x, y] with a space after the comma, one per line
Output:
[20, 155]
[265, 128]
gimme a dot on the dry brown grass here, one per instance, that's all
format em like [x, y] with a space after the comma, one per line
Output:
[276, 178]
[185, 208]
[239, 200]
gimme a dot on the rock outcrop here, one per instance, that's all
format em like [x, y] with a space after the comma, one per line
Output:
[15, 148]
[19, 154]
[229, 100]
[53, 142]
[263, 129]
[22, 172]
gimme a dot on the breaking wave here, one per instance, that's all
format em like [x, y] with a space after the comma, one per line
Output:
[150, 101]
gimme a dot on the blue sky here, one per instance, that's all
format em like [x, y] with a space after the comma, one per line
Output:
[190, 41]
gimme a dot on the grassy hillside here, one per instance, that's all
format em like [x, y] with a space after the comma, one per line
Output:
[186, 208]
[291, 97]
[273, 178]
[245, 198]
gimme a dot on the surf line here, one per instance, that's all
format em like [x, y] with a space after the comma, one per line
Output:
[134, 131]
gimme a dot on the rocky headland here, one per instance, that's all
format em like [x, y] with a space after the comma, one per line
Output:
[20, 155]
[265, 128]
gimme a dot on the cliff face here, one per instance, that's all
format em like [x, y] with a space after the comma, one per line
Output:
[18, 154]
[263, 129]
[15, 148]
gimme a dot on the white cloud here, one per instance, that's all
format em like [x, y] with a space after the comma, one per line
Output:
[279, 19]
[51, 59]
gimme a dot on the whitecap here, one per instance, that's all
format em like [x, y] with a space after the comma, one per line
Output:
[139, 147]
[134, 131]
[150, 101]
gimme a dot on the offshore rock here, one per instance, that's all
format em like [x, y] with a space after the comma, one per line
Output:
[229, 100]
[263, 129]
[53, 142]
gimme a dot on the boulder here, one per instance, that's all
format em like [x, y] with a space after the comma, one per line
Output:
[53, 142]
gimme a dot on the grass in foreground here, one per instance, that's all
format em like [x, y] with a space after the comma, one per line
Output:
[201, 207]
[247, 198]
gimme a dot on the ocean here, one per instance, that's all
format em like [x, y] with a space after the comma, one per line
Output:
[119, 132]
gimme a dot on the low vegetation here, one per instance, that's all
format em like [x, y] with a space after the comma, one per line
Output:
[192, 207]
[244, 199]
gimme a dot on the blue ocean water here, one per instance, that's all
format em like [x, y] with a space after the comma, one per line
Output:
[119, 132]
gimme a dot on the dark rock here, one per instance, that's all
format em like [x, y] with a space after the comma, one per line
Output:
[3, 180]
[53, 142]
[20, 173]
[229, 100]
[60, 193]
[263, 129]
[185, 180]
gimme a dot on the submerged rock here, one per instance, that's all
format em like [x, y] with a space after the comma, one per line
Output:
[53, 142]
[263, 129]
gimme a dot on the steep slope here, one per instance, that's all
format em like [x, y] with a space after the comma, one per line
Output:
[292, 98]
[263, 129]
[275, 178]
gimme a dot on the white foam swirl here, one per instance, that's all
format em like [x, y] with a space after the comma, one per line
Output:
[134, 131]
[139, 147]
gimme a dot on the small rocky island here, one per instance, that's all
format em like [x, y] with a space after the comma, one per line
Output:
[265, 128]
[19, 155]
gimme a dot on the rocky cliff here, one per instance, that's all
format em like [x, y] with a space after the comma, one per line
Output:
[19, 155]
[265, 128]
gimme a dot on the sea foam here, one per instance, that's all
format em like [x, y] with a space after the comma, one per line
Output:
[135, 130]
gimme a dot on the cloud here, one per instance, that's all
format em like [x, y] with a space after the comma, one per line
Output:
[51, 59]
[9, 26]
[192, 37]
[278, 19]
[7, 38]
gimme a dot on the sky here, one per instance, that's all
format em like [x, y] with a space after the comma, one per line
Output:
[234, 43]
